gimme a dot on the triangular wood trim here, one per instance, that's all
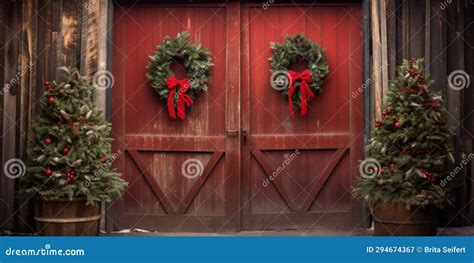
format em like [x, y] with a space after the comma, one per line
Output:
[200, 182]
[159, 191]
[321, 180]
[316, 186]
[151, 181]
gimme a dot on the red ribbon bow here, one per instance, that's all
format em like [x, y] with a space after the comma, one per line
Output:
[306, 94]
[183, 99]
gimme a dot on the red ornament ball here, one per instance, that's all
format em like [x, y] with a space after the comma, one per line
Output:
[392, 165]
[384, 113]
[66, 150]
[397, 124]
[48, 141]
[51, 100]
[48, 172]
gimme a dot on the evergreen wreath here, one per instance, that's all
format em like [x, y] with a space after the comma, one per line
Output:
[298, 87]
[197, 62]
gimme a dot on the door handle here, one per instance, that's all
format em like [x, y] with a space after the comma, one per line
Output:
[236, 132]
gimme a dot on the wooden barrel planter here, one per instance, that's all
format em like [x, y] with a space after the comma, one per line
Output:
[394, 219]
[66, 217]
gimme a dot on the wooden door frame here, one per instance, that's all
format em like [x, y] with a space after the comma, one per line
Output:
[234, 123]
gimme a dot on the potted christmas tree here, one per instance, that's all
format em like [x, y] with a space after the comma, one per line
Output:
[409, 151]
[69, 168]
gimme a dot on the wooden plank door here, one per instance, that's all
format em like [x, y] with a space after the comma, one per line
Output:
[312, 160]
[152, 149]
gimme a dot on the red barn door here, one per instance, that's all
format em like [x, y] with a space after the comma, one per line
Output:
[231, 193]
[156, 148]
[312, 159]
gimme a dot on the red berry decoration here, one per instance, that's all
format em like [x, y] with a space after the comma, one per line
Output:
[429, 176]
[104, 159]
[384, 113]
[70, 176]
[48, 172]
[435, 105]
[48, 141]
[51, 100]
[397, 124]
[392, 165]
[378, 124]
[66, 150]
[48, 85]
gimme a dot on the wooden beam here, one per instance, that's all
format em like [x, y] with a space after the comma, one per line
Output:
[469, 97]
[376, 60]
[101, 95]
[233, 144]
[455, 97]
[10, 103]
[383, 35]
[392, 38]
[27, 74]
[428, 36]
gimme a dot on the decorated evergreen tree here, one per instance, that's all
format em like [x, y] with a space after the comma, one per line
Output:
[70, 151]
[410, 146]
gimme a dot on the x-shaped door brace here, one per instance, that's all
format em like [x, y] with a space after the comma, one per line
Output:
[189, 197]
[279, 185]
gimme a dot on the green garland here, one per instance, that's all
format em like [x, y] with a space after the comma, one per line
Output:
[294, 48]
[196, 60]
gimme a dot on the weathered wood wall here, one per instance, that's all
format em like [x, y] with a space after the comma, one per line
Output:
[38, 36]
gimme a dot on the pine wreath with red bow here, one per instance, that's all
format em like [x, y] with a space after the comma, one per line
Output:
[179, 93]
[298, 87]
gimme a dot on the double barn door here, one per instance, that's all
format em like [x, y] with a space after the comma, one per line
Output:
[211, 172]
